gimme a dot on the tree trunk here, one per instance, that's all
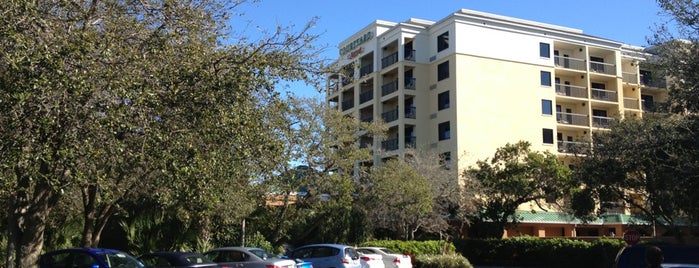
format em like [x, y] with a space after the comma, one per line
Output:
[89, 211]
[28, 223]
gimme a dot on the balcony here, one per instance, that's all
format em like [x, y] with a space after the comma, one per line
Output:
[410, 142]
[569, 63]
[409, 55]
[604, 95]
[410, 112]
[573, 147]
[631, 103]
[347, 104]
[571, 91]
[630, 78]
[571, 119]
[389, 60]
[650, 81]
[389, 87]
[390, 116]
[601, 121]
[603, 68]
[366, 69]
[366, 96]
[410, 83]
[367, 118]
[390, 144]
[650, 106]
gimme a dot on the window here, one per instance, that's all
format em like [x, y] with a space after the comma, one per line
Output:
[544, 50]
[445, 160]
[443, 100]
[545, 78]
[444, 131]
[546, 107]
[443, 41]
[548, 135]
[443, 71]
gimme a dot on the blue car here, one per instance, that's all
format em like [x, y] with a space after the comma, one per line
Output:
[88, 258]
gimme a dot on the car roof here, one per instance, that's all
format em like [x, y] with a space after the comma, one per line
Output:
[236, 248]
[90, 250]
[326, 245]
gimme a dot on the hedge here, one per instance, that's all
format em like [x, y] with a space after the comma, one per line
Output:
[415, 248]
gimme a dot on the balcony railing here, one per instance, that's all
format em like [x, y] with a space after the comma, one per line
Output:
[347, 104]
[572, 119]
[390, 116]
[410, 142]
[410, 112]
[650, 106]
[601, 121]
[390, 144]
[630, 78]
[389, 87]
[601, 67]
[631, 103]
[573, 147]
[366, 69]
[410, 83]
[409, 55]
[651, 81]
[367, 118]
[571, 91]
[604, 95]
[366, 96]
[569, 63]
[389, 60]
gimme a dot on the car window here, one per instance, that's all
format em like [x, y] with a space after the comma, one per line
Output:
[58, 260]
[321, 252]
[83, 260]
[366, 251]
[260, 253]
[388, 251]
[195, 259]
[302, 253]
[351, 253]
[121, 260]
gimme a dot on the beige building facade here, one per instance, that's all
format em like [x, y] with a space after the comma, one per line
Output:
[472, 82]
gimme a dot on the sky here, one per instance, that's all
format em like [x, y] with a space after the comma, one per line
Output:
[626, 21]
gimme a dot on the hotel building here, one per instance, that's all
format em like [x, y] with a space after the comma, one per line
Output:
[472, 82]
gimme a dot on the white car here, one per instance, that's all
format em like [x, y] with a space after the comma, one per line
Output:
[371, 260]
[390, 259]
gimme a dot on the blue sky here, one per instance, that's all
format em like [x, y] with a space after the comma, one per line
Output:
[627, 21]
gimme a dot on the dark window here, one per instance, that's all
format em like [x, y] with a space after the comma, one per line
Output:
[443, 100]
[546, 107]
[444, 131]
[548, 135]
[443, 41]
[443, 71]
[544, 50]
[545, 78]
[445, 160]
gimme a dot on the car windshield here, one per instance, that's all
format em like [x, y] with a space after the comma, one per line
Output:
[388, 251]
[261, 253]
[121, 260]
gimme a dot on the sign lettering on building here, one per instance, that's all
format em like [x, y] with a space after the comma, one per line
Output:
[356, 42]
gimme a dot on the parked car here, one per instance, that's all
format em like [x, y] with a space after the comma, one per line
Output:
[390, 259]
[327, 255]
[370, 260]
[247, 257]
[176, 259]
[88, 258]
[673, 256]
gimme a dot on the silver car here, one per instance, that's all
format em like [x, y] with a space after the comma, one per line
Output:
[246, 257]
[327, 255]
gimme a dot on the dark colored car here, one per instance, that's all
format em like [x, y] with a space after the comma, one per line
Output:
[176, 260]
[247, 257]
[88, 258]
[673, 256]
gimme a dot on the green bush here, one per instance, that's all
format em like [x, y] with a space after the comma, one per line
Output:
[534, 251]
[416, 248]
[441, 261]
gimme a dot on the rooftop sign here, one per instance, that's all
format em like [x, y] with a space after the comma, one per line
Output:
[356, 42]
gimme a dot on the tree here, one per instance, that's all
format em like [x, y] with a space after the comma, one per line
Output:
[451, 202]
[515, 175]
[111, 100]
[396, 198]
[676, 45]
[649, 164]
[312, 173]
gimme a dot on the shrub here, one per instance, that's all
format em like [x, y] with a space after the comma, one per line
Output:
[442, 261]
[416, 248]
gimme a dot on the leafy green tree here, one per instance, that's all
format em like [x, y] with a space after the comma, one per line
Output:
[515, 175]
[311, 175]
[676, 45]
[396, 198]
[113, 100]
[649, 164]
